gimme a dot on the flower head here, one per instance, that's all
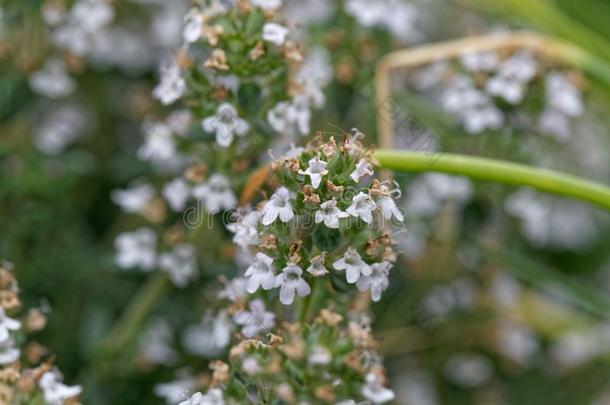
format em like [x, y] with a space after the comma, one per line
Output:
[330, 214]
[225, 124]
[377, 281]
[291, 283]
[362, 207]
[315, 171]
[278, 206]
[275, 33]
[255, 321]
[353, 265]
[261, 273]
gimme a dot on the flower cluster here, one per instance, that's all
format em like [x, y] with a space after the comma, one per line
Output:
[24, 378]
[325, 220]
[330, 361]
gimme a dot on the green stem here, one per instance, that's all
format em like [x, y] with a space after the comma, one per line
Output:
[499, 171]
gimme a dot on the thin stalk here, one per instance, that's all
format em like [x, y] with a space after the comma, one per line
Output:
[478, 168]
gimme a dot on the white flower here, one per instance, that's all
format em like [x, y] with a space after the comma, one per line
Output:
[353, 265]
[250, 365]
[330, 214]
[512, 76]
[158, 143]
[255, 321]
[320, 355]
[136, 249]
[362, 207]
[225, 124]
[9, 352]
[175, 391]
[216, 193]
[62, 127]
[315, 171]
[54, 391]
[317, 267]
[278, 206]
[234, 290]
[213, 397]
[209, 338]
[7, 324]
[275, 33]
[177, 192]
[155, 344]
[245, 230]
[193, 26]
[52, 80]
[291, 117]
[180, 264]
[563, 96]
[479, 61]
[387, 204]
[397, 16]
[291, 283]
[261, 273]
[363, 168]
[267, 4]
[469, 370]
[171, 86]
[92, 15]
[374, 390]
[555, 123]
[134, 198]
[377, 281]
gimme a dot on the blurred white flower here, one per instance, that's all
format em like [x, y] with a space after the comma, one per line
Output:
[54, 391]
[261, 273]
[9, 352]
[180, 264]
[363, 168]
[136, 249]
[479, 61]
[158, 143]
[92, 15]
[176, 193]
[428, 192]
[267, 4]
[362, 207]
[278, 206]
[6, 325]
[516, 341]
[292, 117]
[290, 282]
[155, 343]
[330, 214]
[255, 321]
[234, 290]
[377, 281]
[175, 391]
[468, 369]
[210, 337]
[317, 267]
[245, 230]
[275, 33]
[319, 355]
[225, 124]
[512, 77]
[171, 85]
[52, 80]
[353, 265]
[374, 390]
[213, 397]
[315, 171]
[193, 26]
[397, 16]
[216, 194]
[134, 198]
[59, 129]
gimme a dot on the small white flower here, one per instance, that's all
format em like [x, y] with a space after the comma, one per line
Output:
[555, 123]
[193, 26]
[291, 117]
[158, 143]
[320, 355]
[374, 390]
[278, 206]
[52, 80]
[225, 124]
[134, 198]
[363, 168]
[563, 96]
[60, 128]
[155, 344]
[330, 214]
[177, 192]
[209, 338]
[9, 352]
[136, 249]
[377, 281]
[255, 321]
[387, 204]
[315, 171]
[275, 33]
[245, 230]
[7, 324]
[479, 61]
[234, 290]
[175, 391]
[362, 207]
[261, 273]
[92, 15]
[213, 397]
[216, 194]
[512, 76]
[171, 85]
[54, 391]
[317, 266]
[353, 265]
[267, 4]
[180, 264]
[291, 283]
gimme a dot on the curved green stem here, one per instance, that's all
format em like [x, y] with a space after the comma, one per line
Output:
[499, 171]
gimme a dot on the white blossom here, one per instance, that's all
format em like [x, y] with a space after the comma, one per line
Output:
[275, 33]
[363, 168]
[362, 207]
[512, 77]
[469, 370]
[136, 249]
[278, 206]
[134, 198]
[193, 26]
[320, 355]
[317, 266]
[245, 230]
[216, 193]
[177, 192]
[255, 321]
[261, 273]
[54, 391]
[479, 61]
[180, 264]
[52, 80]
[6, 325]
[9, 352]
[377, 281]
[213, 397]
[171, 85]
[353, 265]
[330, 214]
[155, 344]
[60, 128]
[209, 338]
[397, 16]
[387, 204]
[315, 171]
[291, 283]
[234, 290]
[563, 96]
[267, 4]
[291, 117]
[92, 15]
[158, 143]
[175, 391]
[225, 124]
[374, 390]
